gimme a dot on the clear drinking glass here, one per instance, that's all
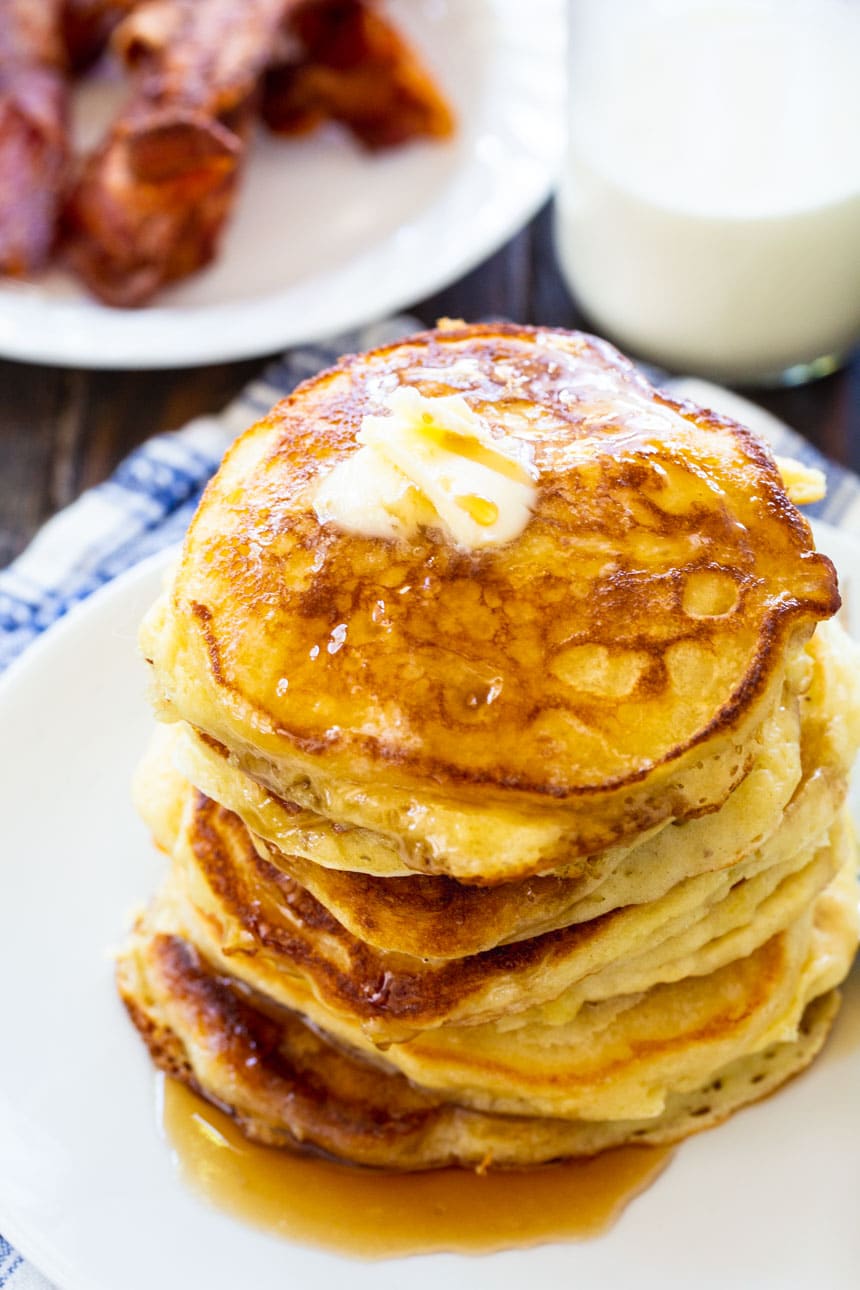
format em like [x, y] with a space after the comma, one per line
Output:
[708, 216]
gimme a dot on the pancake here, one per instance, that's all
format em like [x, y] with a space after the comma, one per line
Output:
[503, 766]
[435, 918]
[622, 1058]
[287, 1086]
[256, 924]
[439, 918]
[505, 710]
[304, 833]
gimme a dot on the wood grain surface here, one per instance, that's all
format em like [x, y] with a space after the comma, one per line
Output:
[62, 430]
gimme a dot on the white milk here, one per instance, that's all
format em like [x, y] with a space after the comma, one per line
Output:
[709, 213]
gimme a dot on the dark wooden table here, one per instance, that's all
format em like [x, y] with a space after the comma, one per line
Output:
[62, 430]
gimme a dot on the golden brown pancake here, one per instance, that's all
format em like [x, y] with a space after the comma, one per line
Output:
[258, 925]
[287, 1086]
[436, 917]
[504, 853]
[512, 707]
[296, 830]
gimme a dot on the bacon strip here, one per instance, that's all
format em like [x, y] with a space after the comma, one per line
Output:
[357, 69]
[33, 131]
[87, 26]
[150, 203]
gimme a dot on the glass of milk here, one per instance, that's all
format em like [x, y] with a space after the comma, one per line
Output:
[708, 216]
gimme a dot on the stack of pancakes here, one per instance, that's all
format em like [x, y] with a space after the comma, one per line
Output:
[506, 854]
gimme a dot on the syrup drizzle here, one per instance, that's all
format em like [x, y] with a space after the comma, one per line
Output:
[362, 1212]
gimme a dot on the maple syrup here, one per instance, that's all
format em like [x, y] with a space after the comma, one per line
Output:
[363, 1212]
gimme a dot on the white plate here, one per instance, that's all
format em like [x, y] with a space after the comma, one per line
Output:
[325, 237]
[87, 1188]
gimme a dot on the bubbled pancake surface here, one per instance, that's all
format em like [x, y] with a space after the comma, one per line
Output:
[701, 895]
[629, 632]
[511, 854]
[436, 917]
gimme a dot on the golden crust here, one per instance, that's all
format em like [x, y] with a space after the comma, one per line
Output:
[258, 923]
[383, 722]
[436, 917]
[636, 626]
[287, 1086]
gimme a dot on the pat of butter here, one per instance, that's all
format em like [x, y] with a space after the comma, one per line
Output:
[433, 463]
[804, 484]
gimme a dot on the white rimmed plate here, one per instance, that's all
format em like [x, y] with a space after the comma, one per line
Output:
[325, 237]
[87, 1188]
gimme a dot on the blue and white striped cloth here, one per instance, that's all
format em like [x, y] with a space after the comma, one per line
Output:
[148, 501]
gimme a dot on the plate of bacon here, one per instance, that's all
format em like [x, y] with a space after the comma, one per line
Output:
[193, 181]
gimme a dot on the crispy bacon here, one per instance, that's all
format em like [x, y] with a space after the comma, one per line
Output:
[355, 68]
[33, 131]
[87, 26]
[151, 202]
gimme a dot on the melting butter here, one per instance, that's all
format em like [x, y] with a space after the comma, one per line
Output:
[434, 463]
[804, 484]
